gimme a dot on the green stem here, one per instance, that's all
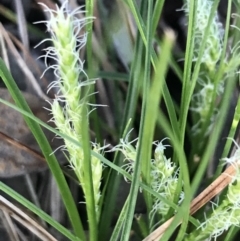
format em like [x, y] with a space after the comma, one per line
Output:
[88, 179]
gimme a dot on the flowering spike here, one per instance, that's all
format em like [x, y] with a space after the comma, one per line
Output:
[65, 29]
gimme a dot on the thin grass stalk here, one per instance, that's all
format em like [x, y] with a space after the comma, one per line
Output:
[158, 7]
[90, 63]
[88, 180]
[232, 132]
[187, 70]
[89, 28]
[145, 172]
[137, 17]
[144, 82]
[232, 232]
[121, 219]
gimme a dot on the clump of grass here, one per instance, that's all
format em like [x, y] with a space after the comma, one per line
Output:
[168, 183]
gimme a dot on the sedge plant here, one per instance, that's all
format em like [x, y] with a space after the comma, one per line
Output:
[167, 180]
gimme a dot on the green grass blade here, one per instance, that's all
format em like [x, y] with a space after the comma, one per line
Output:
[171, 111]
[89, 26]
[113, 76]
[186, 96]
[156, 15]
[121, 219]
[88, 178]
[233, 130]
[146, 83]
[139, 21]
